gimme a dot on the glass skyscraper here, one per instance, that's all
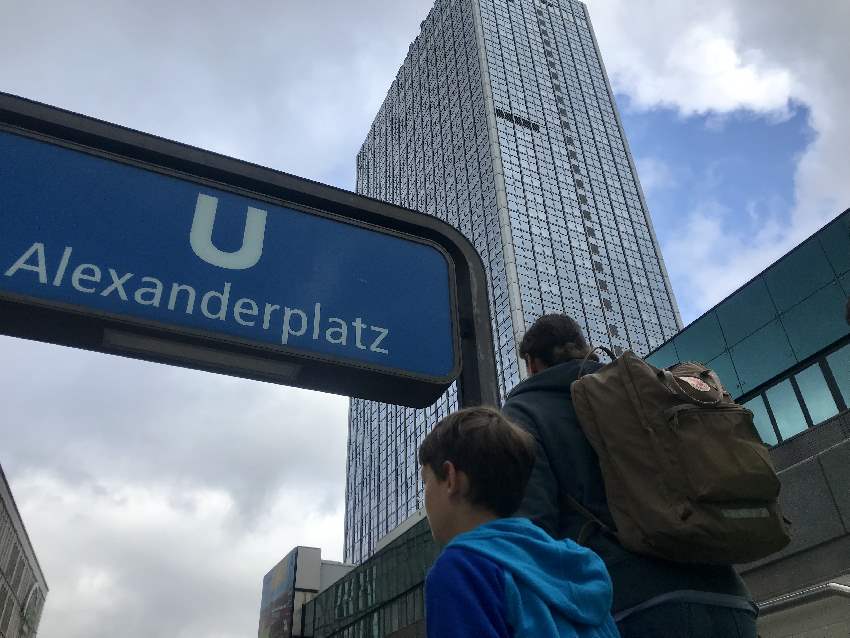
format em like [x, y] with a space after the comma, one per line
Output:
[501, 121]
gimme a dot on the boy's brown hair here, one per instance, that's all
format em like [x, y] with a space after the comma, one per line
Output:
[496, 455]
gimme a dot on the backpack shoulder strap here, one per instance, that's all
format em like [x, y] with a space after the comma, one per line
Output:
[591, 521]
[590, 353]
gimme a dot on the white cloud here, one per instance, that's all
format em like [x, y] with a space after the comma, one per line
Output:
[291, 85]
[655, 174]
[718, 57]
[128, 559]
[711, 257]
[157, 498]
[687, 55]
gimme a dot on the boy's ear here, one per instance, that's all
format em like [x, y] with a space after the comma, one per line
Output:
[455, 479]
[450, 472]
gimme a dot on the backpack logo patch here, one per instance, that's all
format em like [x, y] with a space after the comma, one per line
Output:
[696, 384]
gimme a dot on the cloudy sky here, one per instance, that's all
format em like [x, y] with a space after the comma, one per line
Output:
[157, 497]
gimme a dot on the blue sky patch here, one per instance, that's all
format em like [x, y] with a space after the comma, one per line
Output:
[740, 166]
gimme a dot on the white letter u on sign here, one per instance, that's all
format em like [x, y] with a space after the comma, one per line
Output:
[201, 236]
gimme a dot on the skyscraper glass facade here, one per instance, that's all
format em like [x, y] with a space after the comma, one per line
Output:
[501, 122]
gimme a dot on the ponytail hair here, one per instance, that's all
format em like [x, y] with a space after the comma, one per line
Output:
[555, 339]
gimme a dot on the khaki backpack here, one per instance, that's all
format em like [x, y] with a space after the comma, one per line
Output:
[686, 476]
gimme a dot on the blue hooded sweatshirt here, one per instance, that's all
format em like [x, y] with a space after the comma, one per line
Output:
[510, 579]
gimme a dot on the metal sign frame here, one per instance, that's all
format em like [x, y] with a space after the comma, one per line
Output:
[89, 329]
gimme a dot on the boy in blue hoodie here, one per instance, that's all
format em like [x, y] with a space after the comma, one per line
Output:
[497, 576]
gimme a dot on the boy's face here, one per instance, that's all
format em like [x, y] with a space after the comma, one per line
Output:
[439, 504]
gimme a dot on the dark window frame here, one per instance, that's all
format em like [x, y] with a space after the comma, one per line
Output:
[820, 360]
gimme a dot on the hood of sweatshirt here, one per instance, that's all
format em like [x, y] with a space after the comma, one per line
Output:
[547, 582]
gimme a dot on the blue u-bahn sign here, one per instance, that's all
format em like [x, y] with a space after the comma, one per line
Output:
[109, 237]
[238, 275]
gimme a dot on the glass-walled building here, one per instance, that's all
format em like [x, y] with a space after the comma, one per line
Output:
[781, 344]
[501, 121]
[22, 585]
[382, 598]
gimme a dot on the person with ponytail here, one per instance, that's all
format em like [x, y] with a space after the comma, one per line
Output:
[566, 497]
